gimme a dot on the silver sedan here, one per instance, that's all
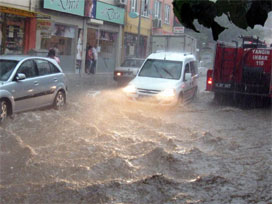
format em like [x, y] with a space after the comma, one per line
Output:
[28, 83]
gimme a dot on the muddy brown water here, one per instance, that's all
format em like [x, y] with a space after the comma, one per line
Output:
[102, 149]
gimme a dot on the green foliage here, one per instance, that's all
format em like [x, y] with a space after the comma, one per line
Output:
[242, 13]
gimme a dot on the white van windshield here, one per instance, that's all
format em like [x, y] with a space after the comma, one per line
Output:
[161, 69]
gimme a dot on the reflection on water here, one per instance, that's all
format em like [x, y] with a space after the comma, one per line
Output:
[104, 149]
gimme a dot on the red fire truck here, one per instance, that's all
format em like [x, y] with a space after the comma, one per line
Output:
[241, 70]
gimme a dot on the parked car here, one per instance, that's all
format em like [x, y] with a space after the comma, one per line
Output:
[128, 70]
[28, 82]
[165, 78]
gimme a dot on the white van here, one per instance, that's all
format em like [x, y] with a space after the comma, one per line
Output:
[165, 78]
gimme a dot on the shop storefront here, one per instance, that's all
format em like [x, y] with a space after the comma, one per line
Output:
[16, 30]
[130, 45]
[62, 33]
[108, 36]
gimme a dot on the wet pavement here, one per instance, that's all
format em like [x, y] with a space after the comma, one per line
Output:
[103, 149]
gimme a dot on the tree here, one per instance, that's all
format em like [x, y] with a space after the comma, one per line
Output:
[242, 13]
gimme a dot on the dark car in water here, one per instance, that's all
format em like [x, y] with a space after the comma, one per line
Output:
[128, 70]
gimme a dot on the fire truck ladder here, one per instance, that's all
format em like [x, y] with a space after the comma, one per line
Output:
[249, 86]
[224, 59]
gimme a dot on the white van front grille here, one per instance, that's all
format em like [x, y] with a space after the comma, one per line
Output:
[148, 91]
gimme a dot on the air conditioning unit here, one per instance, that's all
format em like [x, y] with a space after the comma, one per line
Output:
[157, 23]
[121, 2]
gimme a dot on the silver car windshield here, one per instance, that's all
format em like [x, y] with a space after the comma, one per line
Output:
[161, 69]
[6, 68]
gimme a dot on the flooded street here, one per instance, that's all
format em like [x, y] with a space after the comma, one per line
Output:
[104, 149]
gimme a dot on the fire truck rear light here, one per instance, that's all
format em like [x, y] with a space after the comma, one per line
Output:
[210, 81]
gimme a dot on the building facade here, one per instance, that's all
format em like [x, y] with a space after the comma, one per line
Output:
[156, 18]
[71, 27]
[34, 26]
[61, 31]
[17, 26]
[108, 35]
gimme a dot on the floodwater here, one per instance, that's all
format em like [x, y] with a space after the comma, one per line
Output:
[102, 149]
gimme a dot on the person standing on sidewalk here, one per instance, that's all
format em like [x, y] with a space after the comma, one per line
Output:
[52, 54]
[89, 60]
[93, 69]
[79, 51]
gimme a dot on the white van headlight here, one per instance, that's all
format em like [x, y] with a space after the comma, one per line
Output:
[130, 89]
[168, 93]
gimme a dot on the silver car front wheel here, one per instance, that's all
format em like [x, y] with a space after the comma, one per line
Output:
[60, 100]
[3, 110]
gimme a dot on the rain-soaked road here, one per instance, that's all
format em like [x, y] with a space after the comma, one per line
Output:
[101, 149]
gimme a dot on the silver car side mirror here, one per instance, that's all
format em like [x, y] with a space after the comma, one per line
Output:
[20, 76]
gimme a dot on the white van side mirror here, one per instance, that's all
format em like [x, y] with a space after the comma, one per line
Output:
[188, 76]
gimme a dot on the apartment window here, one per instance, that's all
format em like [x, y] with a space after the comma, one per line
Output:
[157, 10]
[133, 5]
[167, 14]
[145, 8]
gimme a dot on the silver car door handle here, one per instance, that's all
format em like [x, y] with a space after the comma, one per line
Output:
[36, 83]
[55, 80]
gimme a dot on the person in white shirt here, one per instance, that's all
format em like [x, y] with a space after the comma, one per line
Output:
[93, 68]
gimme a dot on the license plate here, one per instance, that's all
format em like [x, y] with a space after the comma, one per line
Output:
[221, 85]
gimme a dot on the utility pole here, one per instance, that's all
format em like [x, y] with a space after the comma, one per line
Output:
[139, 31]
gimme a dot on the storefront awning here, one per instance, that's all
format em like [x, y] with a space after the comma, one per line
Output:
[25, 13]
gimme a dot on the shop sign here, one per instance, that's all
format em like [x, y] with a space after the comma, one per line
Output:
[44, 25]
[110, 13]
[15, 11]
[75, 7]
[178, 29]
[133, 15]
[46, 34]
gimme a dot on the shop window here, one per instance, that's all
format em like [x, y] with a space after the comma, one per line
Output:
[14, 35]
[107, 40]
[61, 39]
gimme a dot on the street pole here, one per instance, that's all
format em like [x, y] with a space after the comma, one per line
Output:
[139, 31]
